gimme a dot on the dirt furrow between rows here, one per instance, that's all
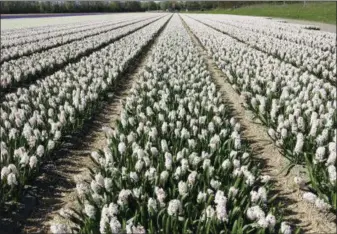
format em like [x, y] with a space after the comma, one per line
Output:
[296, 210]
[57, 180]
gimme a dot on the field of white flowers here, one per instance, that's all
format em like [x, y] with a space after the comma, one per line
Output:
[176, 160]
[297, 106]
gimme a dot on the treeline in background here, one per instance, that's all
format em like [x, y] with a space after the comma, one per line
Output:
[20, 7]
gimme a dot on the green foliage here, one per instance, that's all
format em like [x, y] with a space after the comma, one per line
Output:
[314, 11]
[20, 7]
[322, 11]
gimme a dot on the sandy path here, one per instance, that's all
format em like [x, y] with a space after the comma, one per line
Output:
[74, 159]
[297, 211]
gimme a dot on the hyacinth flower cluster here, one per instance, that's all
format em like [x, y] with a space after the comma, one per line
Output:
[25, 68]
[296, 33]
[175, 163]
[29, 35]
[16, 33]
[34, 119]
[314, 60]
[298, 108]
[29, 32]
[15, 37]
[28, 48]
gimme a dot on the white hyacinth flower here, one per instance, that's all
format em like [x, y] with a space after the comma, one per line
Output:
[161, 195]
[11, 179]
[285, 228]
[40, 150]
[271, 221]
[201, 197]
[299, 143]
[32, 161]
[164, 176]
[90, 211]
[215, 184]
[174, 208]
[123, 197]
[4, 172]
[138, 229]
[320, 153]
[168, 161]
[152, 205]
[232, 192]
[182, 188]
[192, 178]
[121, 147]
[115, 225]
[332, 174]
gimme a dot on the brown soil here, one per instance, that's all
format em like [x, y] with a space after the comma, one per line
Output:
[297, 211]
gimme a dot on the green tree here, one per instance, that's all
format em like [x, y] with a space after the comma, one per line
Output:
[152, 6]
[164, 6]
[206, 5]
[69, 6]
[193, 6]
[4, 9]
[132, 6]
[115, 7]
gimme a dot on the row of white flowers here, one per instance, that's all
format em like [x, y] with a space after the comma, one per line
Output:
[34, 119]
[288, 32]
[319, 62]
[54, 41]
[15, 33]
[299, 108]
[175, 162]
[33, 66]
[32, 35]
[53, 27]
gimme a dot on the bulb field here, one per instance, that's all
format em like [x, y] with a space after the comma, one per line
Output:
[177, 158]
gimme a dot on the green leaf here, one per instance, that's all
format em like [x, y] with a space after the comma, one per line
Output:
[185, 226]
[208, 226]
[235, 227]
[273, 198]
[167, 225]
